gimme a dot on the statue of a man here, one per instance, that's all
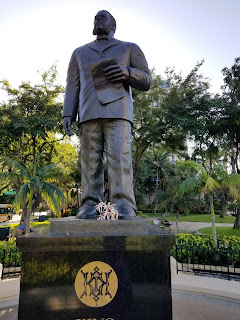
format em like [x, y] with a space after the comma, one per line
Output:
[100, 76]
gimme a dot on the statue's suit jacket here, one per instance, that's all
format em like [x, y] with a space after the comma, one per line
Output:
[80, 95]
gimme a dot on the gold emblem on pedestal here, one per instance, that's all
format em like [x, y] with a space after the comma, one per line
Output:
[96, 284]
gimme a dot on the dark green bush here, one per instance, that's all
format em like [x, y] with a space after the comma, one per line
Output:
[193, 248]
[12, 256]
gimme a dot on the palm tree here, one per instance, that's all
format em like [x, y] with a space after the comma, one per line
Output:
[162, 166]
[205, 183]
[229, 190]
[35, 185]
[173, 201]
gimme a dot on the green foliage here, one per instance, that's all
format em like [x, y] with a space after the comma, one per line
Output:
[12, 256]
[141, 214]
[168, 112]
[171, 200]
[34, 185]
[29, 115]
[195, 249]
[65, 157]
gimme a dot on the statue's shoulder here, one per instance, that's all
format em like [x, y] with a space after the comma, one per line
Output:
[128, 44]
[89, 44]
[125, 43]
[85, 46]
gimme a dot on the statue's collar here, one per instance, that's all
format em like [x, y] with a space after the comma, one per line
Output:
[111, 42]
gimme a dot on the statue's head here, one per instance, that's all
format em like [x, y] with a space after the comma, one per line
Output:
[104, 23]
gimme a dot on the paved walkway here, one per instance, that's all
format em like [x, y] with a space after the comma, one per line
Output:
[190, 306]
[15, 219]
[195, 226]
[186, 306]
[192, 226]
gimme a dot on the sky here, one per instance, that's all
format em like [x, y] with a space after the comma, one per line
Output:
[35, 34]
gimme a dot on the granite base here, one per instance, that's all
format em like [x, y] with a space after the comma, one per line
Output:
[139, 256]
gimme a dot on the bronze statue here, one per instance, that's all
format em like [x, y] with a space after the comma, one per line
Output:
[100, 76]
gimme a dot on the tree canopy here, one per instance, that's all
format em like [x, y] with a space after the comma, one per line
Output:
[29, 115]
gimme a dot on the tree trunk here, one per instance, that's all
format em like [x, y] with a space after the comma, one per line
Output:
[29, 211]
[214, 234]
[24, 213]
[36, 202]
[34, 147]
[233, 156]
[27, 221]
[236, 158]
[237, 220]
[210, 159]
[177, 216]
[156, 199]
[224, 209]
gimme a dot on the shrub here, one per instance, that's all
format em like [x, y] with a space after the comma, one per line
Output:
[12, 256]
[193, 248]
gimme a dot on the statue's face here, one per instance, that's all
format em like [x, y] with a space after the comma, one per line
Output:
[102, 23]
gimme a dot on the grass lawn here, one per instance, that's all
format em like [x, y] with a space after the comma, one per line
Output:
[205, 218]
[222, 231]
[34, 224]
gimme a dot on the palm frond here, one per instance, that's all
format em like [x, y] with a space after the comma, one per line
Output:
[211, 185]
[22, 195]
[53, 197]
[51, 202]
[45, 171]
[232, 179]
[198, 167]
[189, 184]
[16, 166]
[8, 176]
[234, 192]
[53, 190]
[4, 176]
[35, 184]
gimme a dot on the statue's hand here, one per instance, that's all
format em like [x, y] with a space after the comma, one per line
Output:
[116, 72]
[67, 122]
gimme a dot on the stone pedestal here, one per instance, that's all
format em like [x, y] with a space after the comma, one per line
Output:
[96, 270]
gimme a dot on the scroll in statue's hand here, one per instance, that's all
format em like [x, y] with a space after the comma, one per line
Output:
[116, 72]
[67, 122]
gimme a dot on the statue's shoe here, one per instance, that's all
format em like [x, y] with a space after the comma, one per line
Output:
[87, 211]
[125, 212]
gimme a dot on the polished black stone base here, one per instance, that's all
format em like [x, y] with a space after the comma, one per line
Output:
[136, 251]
